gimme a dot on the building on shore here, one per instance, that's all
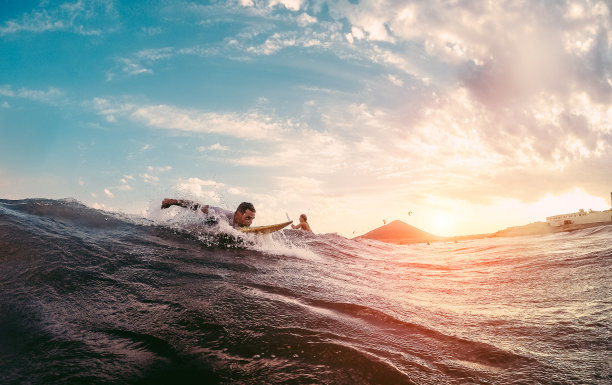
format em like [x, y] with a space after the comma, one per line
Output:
[580, 217]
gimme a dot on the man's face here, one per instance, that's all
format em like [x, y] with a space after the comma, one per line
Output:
[245, 219]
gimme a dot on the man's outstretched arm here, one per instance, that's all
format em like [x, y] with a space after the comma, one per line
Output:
[167, 202]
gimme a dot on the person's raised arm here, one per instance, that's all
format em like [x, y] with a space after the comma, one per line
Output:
[167, 202]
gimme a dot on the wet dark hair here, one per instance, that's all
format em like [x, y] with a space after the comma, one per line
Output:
[244, 206]
[304, 215]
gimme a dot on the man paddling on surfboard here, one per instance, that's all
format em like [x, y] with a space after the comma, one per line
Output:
[242, 217]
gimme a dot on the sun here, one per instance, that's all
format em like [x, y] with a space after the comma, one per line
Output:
[442, 222]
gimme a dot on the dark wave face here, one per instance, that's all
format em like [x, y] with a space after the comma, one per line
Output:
[89, 297]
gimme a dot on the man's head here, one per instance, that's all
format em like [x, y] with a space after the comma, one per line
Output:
[244, 215]
[303, 217]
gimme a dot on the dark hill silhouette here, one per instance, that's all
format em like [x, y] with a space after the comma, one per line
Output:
[400, 233]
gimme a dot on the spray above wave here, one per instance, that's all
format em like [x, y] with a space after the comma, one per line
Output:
[93, 297]
[218, 233]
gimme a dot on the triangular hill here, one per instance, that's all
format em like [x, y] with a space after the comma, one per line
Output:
[400, 233]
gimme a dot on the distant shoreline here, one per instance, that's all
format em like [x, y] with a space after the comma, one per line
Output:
[532, 229]
[543, 228]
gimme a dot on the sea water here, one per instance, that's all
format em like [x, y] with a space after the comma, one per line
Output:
[90, 297]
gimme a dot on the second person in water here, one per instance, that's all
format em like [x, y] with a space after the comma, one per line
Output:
[303, 225]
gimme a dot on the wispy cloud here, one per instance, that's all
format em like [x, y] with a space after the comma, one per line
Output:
[497, 66]
[149, 178]
[134, 68]
[455, 135]
[84, 17]
[214, 147]
[159, 169]
[293, 5]
[205, 190]
[277, 141]
[140, 63]
[6, 90]
[50, 96]
[250, 125]
[125, 183]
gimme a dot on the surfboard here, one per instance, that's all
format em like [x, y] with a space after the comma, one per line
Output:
[264, 229]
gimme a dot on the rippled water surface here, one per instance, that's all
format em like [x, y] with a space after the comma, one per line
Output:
[91, 297]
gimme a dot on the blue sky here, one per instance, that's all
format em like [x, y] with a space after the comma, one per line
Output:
[472, 115]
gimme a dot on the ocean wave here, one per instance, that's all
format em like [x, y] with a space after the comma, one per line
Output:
[88, 296]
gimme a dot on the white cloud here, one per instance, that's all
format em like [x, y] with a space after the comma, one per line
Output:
[142, 61]
[148, 178]
[293, 5]
[35, 22]
[205, 190]
[159, 168]
[277, 137]
[152, 55]
[273, 44]
[109, 193]
[51, 96]
[395, 80]
[368, 19]
[151, 31]
[214, 147]
[134, 68]
[102, 206]
[125, 186]
[357, 33]
[305, 19]
[251, 125]
[236, 191]
[203, 182]
[474, 42]
[6, 90]
[109, 109]
[81, 17]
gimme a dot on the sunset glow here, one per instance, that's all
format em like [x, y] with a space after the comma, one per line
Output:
[442, 222]
[470, 118]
